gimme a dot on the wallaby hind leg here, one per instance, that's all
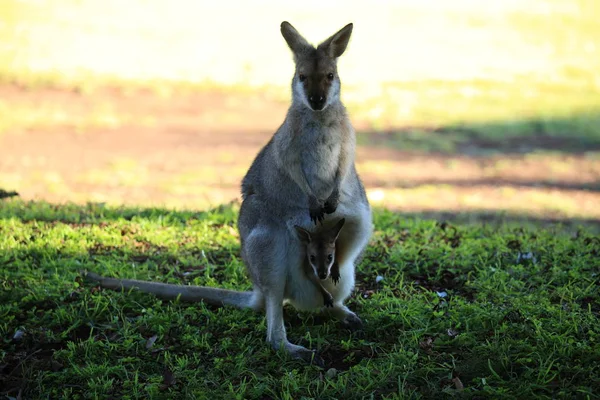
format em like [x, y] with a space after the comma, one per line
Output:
[268, 255]
[276, 334]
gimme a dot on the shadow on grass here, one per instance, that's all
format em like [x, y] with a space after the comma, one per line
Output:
[578, 134]
[472, 183]
[498, 218]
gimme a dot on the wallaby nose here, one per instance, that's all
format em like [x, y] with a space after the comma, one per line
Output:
[323, 275]
[316, 102]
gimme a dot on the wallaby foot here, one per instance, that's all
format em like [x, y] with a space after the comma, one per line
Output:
[352, 322]
[347, 318]
[276, 334]
[304, 354]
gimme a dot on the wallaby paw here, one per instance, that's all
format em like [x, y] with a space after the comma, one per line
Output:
[315, 210]
[352, 322]
[335, 272]
[335, 277]
[331, 205]
[317, 215]
[328, 299]
[332, 202]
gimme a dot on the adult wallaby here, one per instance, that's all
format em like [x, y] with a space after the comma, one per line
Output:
[303, 173]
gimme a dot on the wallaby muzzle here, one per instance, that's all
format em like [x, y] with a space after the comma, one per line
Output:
[317, 102]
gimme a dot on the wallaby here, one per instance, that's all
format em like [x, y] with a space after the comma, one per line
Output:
[305, 171]
[320, 263]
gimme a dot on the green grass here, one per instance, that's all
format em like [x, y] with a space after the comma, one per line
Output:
[511, 326]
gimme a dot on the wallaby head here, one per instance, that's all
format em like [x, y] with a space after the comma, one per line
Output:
[320, 247]
[316, 82]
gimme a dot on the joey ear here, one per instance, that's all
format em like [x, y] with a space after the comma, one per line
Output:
[335, 231]
[336, 44]
[294, 40]
[303, 234]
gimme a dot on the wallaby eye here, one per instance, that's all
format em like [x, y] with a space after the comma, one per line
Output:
[302, 77]
[330, 76]
[330, 257]
[312, 258]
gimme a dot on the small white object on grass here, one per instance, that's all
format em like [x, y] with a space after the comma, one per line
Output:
[379, 278]
[18, 334]
[331, 373]
[150, 342]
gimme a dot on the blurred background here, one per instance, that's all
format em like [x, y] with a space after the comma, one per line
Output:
[481, 109]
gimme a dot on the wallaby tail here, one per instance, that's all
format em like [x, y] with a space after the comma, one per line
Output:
[214, 296]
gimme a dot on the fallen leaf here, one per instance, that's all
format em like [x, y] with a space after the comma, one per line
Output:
[452, 333]
[427, 343]
[18, 334]
[73, 296]
[56, 366]
[368, 293]
[514, 245]
[457, 383]
[442, 225]
[526, 257]
[168, 378]
[151, 341]
[232, 231]
[19, 394]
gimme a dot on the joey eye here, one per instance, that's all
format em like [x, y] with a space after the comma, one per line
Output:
[302, 77]
[330, 257]
[312, 258]
[330, 76]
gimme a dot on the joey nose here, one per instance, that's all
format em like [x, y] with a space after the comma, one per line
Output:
[316, 102]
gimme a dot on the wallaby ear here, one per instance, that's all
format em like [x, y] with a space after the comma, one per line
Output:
[303, 234]
[296, 42]
[335, 231]
[336, 45]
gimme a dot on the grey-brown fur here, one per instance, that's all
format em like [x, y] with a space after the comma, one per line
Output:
[304, 174]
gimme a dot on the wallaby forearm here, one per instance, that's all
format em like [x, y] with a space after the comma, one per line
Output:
[327, 297]
[346, 159]
[315, 205]
[299, 177]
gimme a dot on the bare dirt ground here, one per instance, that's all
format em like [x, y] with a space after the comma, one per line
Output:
[191, 149]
